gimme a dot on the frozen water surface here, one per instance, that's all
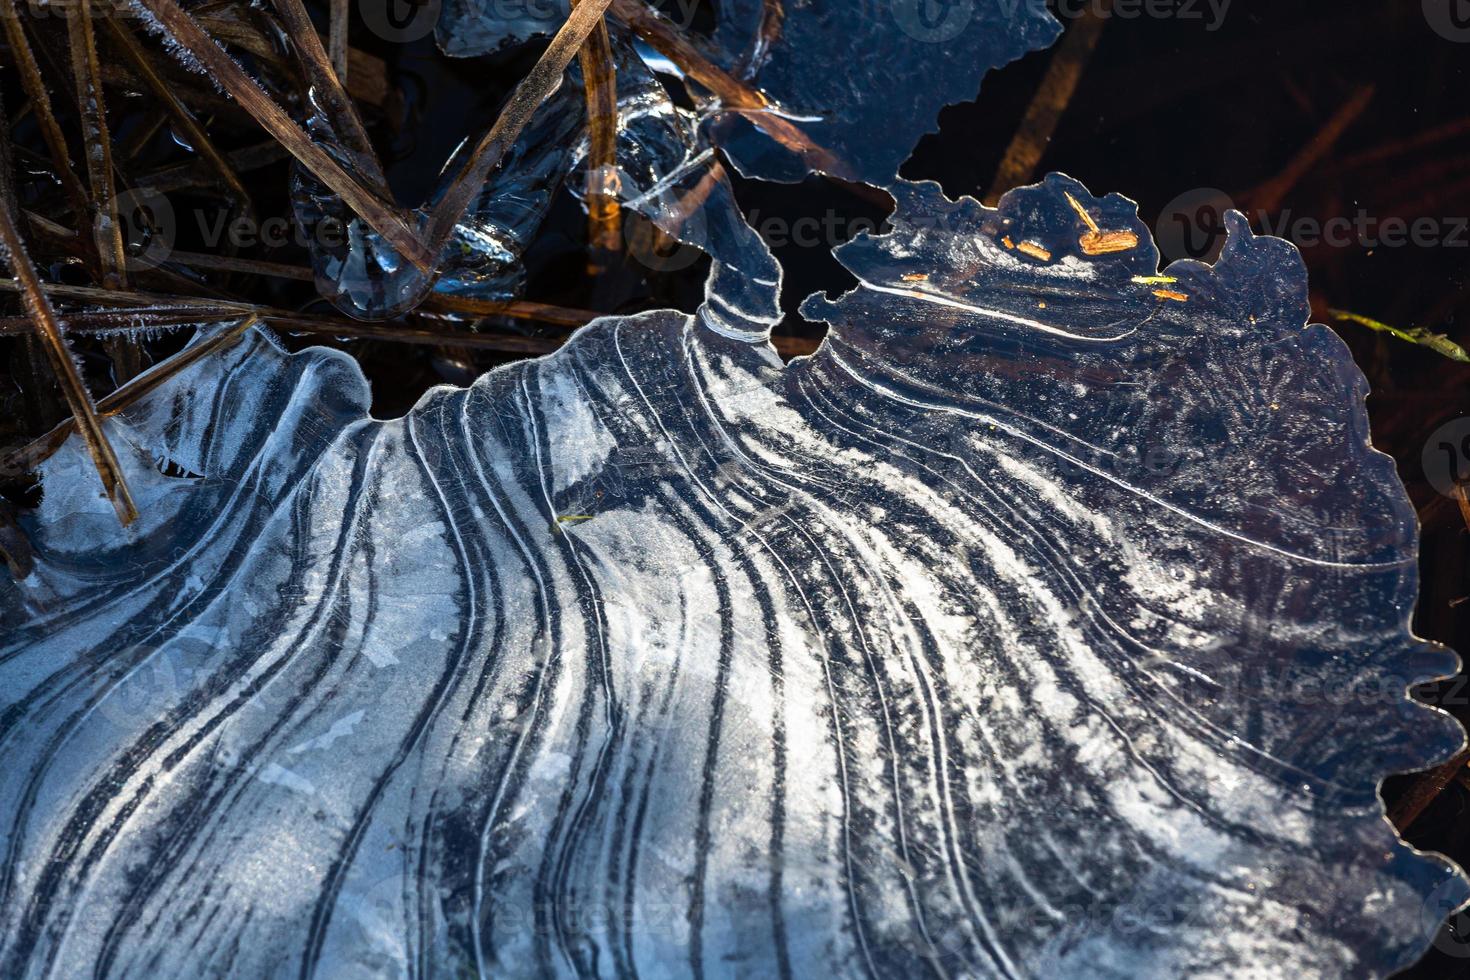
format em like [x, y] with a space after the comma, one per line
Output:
[991, 640]
[851, 70]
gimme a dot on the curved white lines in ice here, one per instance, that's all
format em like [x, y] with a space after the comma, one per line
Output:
[656, 657]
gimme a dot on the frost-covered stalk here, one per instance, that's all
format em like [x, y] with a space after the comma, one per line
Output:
[196, 134]
[12, 250]
[97, 143]
[192, 46]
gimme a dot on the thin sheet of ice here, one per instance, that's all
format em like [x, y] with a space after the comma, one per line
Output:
[991, 640]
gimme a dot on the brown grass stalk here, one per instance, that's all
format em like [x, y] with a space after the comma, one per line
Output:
[599, 78]
[89, 425]
[97, 141]
[387, 221]
[322, 74]
[35, 90]
[337, 38]
[160, 304]
[1049, 103]
[40, 449]
[176, 110]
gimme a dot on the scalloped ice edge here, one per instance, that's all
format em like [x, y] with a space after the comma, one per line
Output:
[1241, 240]
[1015, 55]
[1239, 237]
[1008, 56]
[1046, 29]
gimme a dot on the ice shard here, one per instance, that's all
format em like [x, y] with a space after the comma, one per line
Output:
[862, 80]
[1050, 620]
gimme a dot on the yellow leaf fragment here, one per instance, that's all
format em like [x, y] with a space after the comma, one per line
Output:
[1034, 250]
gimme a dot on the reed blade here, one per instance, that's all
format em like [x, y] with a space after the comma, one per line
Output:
[178, 26]
[599, 79]
[44, 318]
[533, 90]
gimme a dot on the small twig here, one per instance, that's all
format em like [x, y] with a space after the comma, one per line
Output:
[142, 134]
[1436, 342]
[130, 298]
[65, 238]
[253, 267]
[516, 309]
[205, 101]
[39, 307]
[1050, 102]
[180, 113]
[599, 80]
[533, 90]
[388, 222]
